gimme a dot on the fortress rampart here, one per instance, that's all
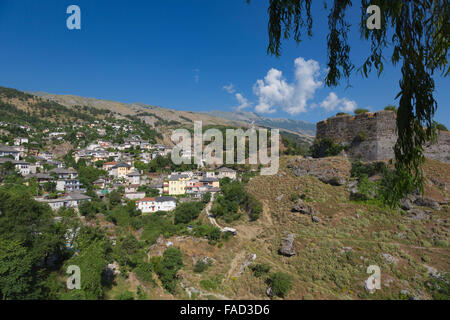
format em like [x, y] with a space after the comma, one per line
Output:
[372, 136]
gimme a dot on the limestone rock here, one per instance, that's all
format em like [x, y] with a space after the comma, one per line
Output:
[428, 202]
[287, 247]
[406, 204]
[303, 208]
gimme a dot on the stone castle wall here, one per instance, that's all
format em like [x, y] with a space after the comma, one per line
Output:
[372, 136]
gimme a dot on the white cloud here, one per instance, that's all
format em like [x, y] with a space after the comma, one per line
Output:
[333, 102]
[274, 91]
[229, 88]
[243, 102]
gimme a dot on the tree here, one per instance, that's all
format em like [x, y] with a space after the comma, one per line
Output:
[92, 261]
[188, 211]
[16, 263]
[115, 198]
[170, 264]
[419, 40]
[88, 209]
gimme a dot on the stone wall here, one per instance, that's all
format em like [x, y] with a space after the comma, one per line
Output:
[372, 136]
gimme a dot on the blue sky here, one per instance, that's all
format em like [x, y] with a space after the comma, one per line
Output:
[181, 54]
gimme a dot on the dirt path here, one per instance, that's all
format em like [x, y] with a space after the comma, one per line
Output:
[235, 263]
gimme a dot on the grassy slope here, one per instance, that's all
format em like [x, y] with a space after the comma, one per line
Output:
[321, 270]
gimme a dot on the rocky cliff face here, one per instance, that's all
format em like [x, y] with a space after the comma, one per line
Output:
[372, 136]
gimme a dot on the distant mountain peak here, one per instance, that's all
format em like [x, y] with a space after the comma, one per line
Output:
[299, 126]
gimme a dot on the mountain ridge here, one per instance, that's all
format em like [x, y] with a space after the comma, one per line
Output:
[299, 126]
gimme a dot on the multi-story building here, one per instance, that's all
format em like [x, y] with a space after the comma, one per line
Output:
[8, 151]
[21, 166]
[121, 170]
[72, 200]
[65, 174]
[148, 205]
[71, 185]
[176, 184]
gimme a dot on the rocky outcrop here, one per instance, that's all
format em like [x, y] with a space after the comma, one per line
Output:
[427, 202]
[287, 247]
[332, 170]
[303, 208]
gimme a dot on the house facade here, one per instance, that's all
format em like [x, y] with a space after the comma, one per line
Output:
[148, 205]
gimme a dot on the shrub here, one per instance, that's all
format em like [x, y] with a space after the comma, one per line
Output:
[440, 126]
[361, 111]
[260, 269]
[366, 189]
[127, 295]
[360, 137]
[144, 272]
[325, 148]
[188, 211]
[369, 169]
[281, 283]
[200, 266]
[391, 108]
[294, 197]
[214, 235]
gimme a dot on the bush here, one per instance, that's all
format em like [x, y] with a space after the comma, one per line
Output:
[391, 108]
[361, 111]
[127, 295]
[440, 126]
[200, 266]
[369, 169]
[188, 211]
[294, 197]
[214, 235]
[366, 189]
[253, 207]
[206, 197]
[360, 137]
[325, 148]
[115, 198]
[281, 283]
[342, 114]
[260, 269]
[144, 272]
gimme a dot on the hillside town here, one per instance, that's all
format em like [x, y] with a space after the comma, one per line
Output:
[118, 173]
[103, 192]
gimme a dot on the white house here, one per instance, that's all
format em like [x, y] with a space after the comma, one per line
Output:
[225, 172]
[21, 166]
[70, 185]
[19, 141]
[72, 200]
[156, 204]
[8, 151]
[65, 174]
